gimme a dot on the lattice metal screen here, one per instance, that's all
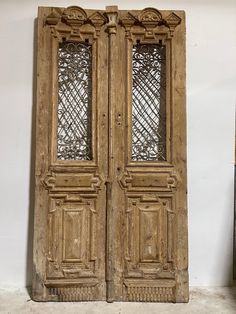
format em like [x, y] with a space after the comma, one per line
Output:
[149, 103]
[74, 101]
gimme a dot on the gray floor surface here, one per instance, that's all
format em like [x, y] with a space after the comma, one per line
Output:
[202, 301]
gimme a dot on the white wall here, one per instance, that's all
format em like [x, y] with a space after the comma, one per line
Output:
[211, 97]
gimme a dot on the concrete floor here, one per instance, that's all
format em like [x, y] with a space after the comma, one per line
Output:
[202, 301]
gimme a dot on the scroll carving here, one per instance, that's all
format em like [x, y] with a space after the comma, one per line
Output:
[68, 22]
[152, 21]
[74, 16]
[74, 23]
[150, 18]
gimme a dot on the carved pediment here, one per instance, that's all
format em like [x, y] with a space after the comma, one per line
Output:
[150, 19]
[73, 21]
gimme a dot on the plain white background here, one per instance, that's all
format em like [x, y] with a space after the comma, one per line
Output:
[211, 98]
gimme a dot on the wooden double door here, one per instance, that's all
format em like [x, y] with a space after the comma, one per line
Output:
[110, 209]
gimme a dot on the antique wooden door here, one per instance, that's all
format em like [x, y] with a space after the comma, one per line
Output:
[110, 209]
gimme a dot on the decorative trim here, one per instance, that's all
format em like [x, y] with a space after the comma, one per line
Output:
[172, 21]
[152, 21]
[71, 182]
[112, 15]
[97, 19]
[150, 18]
[85, 293]
[74, 16]
[164, 181]
[73, 23]
[68, 23]
[149, 291]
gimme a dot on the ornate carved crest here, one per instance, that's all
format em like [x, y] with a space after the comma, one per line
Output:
[73, 22]
[152, 21]
[150, 18]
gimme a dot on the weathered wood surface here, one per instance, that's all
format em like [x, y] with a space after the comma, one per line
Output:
[110, 228]
[234, 228]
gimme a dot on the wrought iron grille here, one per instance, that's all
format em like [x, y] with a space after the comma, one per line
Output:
[74, 101]
[149, 103]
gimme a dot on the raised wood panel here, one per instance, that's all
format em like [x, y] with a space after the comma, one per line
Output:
[149, 217]
[144, 180]
[75, 223]
[73, 238]
[72, 182]
[150, 236]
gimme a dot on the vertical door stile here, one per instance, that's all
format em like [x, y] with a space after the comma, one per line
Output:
[39, 291]
[111, 12]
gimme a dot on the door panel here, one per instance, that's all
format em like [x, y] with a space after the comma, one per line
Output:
[151, 193]
[72, 149]
[110, 208]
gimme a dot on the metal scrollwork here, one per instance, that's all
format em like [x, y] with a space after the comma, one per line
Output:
[148, 110]
[74, 101]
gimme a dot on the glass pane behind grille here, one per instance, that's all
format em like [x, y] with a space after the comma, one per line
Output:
[74, 102]
[149, 103]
